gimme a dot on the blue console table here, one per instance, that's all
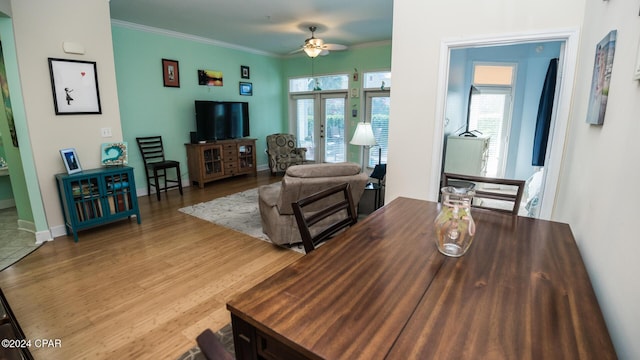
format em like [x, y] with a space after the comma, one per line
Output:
[96, 197]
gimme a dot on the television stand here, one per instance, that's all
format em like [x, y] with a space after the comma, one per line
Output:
[220, 159]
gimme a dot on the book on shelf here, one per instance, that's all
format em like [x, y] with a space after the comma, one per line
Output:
[88, 209]
[112, 205]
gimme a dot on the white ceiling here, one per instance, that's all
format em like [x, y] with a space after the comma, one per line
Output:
[271, 26]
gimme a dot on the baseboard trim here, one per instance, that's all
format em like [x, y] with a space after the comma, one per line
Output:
[143, 191]
[7, 203]
[43, 236]
[26, 226]
[57, 231]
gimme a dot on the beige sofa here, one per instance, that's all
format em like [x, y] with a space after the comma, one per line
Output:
[300, 181]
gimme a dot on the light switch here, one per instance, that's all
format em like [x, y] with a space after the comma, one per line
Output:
[105, 132]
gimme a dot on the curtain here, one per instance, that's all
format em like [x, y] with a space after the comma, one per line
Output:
[545, 109]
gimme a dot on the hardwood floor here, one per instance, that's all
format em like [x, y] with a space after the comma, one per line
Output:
[129, 291]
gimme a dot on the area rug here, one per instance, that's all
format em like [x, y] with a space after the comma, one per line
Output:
[237, 211]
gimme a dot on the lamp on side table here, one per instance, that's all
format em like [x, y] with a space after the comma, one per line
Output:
[363, 136]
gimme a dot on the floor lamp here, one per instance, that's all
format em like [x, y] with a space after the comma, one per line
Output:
[363, 137]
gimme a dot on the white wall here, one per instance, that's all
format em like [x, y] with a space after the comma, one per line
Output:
[597, 194]
[5, 7]
[416, 69]
[40, 28]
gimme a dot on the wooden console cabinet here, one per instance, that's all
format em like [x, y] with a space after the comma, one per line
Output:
[221, 159]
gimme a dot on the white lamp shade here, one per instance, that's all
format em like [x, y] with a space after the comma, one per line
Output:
[364, 135]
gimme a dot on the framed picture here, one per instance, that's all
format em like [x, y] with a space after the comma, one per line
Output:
[170, 73]
[601, 78]
[114, 153]
[210, 77]
[244, 72]
[75, 87]
[246, 88]
[70, 160]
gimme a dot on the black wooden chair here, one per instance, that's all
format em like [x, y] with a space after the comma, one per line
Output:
[156, 165]
[323, 214]
[503, 195]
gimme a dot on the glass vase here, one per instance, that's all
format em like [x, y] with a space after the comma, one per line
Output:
[455, 227]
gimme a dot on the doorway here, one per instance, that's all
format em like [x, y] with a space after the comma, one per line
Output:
[568, 43]
[320, 126]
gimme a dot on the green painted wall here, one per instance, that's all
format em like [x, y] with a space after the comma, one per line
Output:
[24, 184]
[149, 108]
[5, 181]
[369, 58]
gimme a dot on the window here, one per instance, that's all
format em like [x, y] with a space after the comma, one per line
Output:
[376, 85]
[317, 83]
[377, 80]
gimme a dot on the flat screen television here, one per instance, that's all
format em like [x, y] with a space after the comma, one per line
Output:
[221, 120]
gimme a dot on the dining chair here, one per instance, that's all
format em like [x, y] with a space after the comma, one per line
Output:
[156, 165]
[324, 214]
[212, 347]
[503, 195]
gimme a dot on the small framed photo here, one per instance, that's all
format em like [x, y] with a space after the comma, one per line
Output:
[75, 87]
[244, 72]
[70, 160]
[210, 78]
[246, 88]
[170, 73]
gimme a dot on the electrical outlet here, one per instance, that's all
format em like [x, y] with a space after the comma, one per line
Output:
[105, 132]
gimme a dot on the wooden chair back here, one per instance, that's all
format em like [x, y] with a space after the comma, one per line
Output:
[156, 165]
[151, 149]
[503, 195]
[317, 224]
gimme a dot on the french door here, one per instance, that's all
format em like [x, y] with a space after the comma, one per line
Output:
[320, 125]
[490, 113]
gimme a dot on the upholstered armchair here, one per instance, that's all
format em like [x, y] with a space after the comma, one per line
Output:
[300, 181]
[282, 152]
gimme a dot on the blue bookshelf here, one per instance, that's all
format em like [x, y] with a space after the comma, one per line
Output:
[97, 197]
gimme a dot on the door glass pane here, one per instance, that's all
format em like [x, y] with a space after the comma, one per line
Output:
[305, 125]
[487, 115]
[334, 145]
[380, 123]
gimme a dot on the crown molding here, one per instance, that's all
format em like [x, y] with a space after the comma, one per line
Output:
[183, 36]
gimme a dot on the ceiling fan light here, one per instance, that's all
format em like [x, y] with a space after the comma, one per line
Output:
[315, 42]
[312, 51]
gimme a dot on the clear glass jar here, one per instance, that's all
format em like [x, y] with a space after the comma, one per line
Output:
[455, 227]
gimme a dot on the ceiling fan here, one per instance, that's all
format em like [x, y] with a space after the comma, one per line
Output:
[314, 46]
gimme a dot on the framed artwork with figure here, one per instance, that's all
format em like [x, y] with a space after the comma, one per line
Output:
[75, 87]
[170, 73]
[244, 72]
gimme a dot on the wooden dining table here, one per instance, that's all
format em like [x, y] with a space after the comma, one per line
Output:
[381, 290]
